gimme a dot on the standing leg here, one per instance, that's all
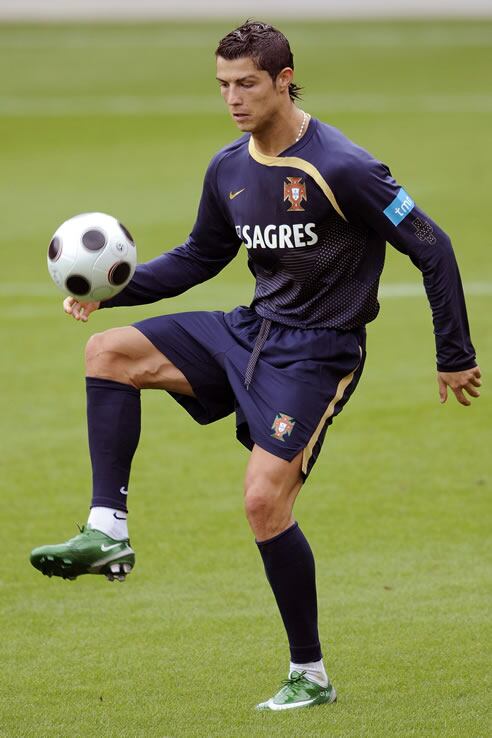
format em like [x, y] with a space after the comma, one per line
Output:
[271, 487]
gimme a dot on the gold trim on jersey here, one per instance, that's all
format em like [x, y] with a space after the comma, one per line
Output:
[342, 386]
[297, 163]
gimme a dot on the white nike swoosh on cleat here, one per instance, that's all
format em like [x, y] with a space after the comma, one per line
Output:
[96, 565]
[123, 491]
[108, 548]
[288, 706]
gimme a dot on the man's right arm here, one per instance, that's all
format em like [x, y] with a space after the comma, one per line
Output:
[212, 244]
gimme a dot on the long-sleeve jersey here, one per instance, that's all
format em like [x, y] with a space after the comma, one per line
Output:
[315, 221]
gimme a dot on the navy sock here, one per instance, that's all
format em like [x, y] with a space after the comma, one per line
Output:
[289, 566]
[113, 422]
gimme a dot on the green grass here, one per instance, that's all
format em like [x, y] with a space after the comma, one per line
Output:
[396, 508]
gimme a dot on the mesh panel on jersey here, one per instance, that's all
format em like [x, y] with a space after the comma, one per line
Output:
[323, 285]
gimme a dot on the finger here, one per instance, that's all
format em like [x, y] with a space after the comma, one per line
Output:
[68, 305]
[477, 372]
[443, 390]
[470, 388]
[76, 310]
[476, 381]
[461, 397]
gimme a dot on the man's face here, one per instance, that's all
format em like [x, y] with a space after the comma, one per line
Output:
[250, 93]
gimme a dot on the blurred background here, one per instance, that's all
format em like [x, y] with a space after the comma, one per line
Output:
[43, 9]
[113, 106]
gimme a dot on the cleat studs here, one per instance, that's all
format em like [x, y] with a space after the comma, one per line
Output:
[115, 568]
[121, 577]
[49, 558]
[127, 568]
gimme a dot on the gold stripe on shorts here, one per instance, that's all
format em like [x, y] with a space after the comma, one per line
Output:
[342, 386]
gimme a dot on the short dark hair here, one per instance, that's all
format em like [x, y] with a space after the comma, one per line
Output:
[265, 45]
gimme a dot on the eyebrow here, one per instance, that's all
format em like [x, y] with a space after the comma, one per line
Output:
[240, 79]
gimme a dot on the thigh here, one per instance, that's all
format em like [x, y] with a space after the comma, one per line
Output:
[152, 369]
[272, 474]
[126, 355]
[195, 343]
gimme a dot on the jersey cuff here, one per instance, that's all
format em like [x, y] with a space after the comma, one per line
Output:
[470, 364]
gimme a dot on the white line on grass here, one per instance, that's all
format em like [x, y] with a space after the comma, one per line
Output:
[27, 290]
[414, 289]
[338, 36]
[48, 106]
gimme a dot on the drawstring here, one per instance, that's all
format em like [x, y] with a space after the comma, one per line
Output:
[257, 349]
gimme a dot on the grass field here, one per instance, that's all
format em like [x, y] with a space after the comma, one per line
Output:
[124, 119]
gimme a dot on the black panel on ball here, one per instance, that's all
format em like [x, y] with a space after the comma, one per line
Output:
[127, 234]
[54, 250]
[119, 273]
[94, 240]
[77, 285]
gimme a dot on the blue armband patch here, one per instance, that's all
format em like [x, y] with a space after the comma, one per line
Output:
[400, 207]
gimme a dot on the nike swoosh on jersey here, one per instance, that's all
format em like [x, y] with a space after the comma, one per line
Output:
[232, 195]
[123, 491]
[108, 548]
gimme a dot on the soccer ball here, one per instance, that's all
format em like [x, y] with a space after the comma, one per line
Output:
[91, 256]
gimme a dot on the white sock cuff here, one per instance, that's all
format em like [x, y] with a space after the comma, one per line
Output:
[315, 671]
[109, 521]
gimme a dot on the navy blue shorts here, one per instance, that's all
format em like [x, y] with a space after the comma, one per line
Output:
[302, 379]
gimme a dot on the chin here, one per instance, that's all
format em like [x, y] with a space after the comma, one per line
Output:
[247, 126]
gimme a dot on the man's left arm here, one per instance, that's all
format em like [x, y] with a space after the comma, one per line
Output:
[378, 201]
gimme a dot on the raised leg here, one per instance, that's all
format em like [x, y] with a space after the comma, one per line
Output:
[120, 363]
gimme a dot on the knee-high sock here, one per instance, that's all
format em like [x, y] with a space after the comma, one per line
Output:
[113, 422]
[289, 566]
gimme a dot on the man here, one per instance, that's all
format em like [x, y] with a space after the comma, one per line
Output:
[314, 211]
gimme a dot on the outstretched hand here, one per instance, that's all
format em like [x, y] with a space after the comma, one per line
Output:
[467, 380]
[79, 310]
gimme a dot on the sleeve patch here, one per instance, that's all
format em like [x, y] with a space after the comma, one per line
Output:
[400, 207]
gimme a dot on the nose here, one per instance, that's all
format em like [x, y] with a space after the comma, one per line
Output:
[233, 96]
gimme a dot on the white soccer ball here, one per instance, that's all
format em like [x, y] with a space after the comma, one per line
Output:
[92, 256]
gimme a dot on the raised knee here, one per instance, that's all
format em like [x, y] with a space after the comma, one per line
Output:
[100, 355]
[92, 349]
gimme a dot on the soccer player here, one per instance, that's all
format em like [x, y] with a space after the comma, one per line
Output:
[314, 212]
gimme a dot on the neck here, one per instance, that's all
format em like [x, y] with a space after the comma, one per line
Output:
[281, 131]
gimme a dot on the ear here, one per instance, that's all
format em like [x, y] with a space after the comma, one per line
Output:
[284, 78]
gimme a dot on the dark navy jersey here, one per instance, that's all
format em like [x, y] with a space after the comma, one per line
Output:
[314, 221]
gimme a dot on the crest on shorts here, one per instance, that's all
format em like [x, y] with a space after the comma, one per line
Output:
[282, 426]
[295, 193]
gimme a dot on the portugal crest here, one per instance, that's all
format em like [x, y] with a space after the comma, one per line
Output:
[282, 426]
[295, 193]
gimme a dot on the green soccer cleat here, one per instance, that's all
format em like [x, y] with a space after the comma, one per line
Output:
[297, 691]
[90, 552]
